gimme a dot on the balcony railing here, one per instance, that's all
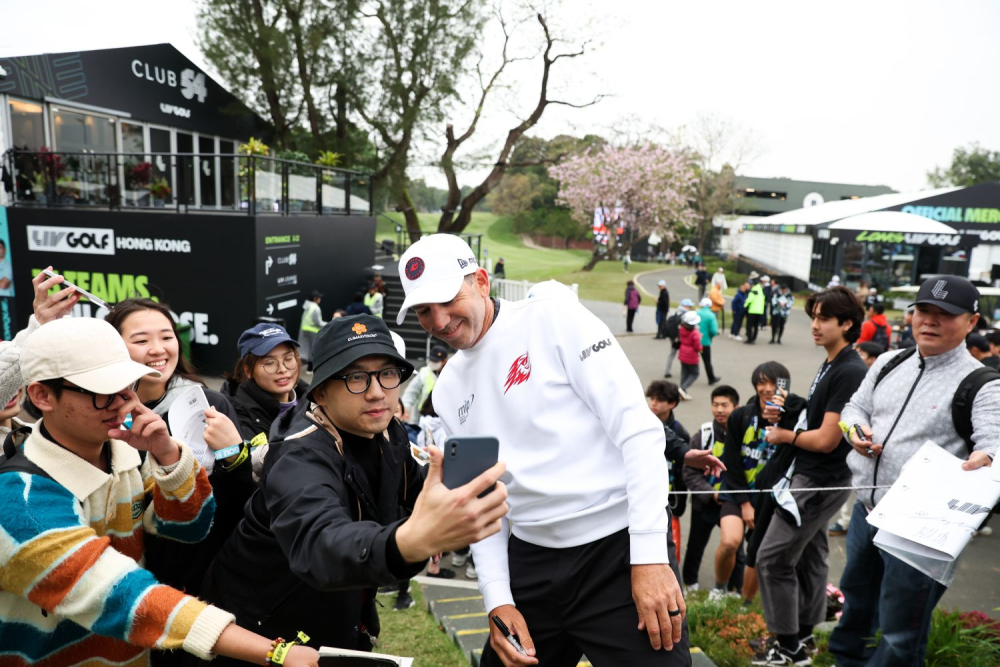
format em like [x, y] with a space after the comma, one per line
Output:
[183, 183]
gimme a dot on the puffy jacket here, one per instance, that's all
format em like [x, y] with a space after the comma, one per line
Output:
[632, 298]
[755, 300]
[690, 345]
[739, 302]
[868, 328]
[314, 543]
[709, 326]
[256, 409]
[718, 299]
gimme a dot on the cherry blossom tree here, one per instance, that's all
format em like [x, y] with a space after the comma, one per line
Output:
[643, 188]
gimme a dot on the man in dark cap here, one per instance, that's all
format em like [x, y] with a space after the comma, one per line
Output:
[325, 528]
[904, 401]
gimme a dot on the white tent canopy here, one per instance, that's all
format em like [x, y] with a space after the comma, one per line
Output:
[845, 208]
[892, 221]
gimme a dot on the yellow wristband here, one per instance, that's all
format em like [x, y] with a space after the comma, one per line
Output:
[244, 455]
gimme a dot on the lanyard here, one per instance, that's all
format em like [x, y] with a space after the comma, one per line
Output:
[823, 370]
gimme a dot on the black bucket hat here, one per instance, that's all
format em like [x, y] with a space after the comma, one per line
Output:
[344, 340]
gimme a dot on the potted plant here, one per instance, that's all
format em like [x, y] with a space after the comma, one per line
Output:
[160, 191]
[137, 179]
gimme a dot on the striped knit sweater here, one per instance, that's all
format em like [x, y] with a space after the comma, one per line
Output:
[73, 588]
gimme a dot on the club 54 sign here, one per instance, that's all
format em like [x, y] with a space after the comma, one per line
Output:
[192, 83]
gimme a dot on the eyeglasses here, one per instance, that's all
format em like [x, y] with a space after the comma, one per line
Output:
[359, 381]
[270, 364]
[102, 401]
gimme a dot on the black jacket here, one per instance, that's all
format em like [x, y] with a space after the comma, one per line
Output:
[675, 451]
[734, 478]
[315, 543]
[663, 302]
[255, 408]
[183, 565]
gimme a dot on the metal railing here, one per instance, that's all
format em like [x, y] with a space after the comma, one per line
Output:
[517, 290]
[182, 182]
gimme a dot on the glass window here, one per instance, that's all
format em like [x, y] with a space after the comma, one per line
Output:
[162, 184]
[79, 132]
[227, 171]
[137, 172]
[27, 125]
[206, 170]
[132, 139]
[185, 165]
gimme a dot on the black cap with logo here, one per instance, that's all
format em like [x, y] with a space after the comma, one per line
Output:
[344, 340]
[952, 294]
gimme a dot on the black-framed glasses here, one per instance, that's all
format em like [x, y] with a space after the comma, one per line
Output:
[359, 381]
[270, 364]
[102, 401]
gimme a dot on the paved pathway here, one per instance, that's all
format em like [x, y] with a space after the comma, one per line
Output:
[977, 585]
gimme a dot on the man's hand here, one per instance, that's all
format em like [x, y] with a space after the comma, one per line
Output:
[779, 436]
[862, 442]
[149, 432]
[446, 519]
[772, 413]
[656, 594]
[220, 432]
[509, 655]
[702, 459]
[48, 307]
[746, 509]
[977, 460]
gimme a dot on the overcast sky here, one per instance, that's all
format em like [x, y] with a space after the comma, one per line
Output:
[847, 91]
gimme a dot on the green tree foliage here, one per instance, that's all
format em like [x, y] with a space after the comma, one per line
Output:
[969, 166]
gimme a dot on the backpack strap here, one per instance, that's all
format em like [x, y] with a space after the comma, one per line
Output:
[893, 363]
[14, 458]
[965, 396]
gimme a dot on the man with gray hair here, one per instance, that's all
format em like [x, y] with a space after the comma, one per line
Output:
[905, 400]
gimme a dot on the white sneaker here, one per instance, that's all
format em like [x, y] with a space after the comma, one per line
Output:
[692, 588]
[717, 595]
[985, 531]
[684, 395]
[470, 572]
[459, 560]
[737, 337]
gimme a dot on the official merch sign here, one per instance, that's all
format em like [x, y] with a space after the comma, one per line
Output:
[154, 83]
[217, 273]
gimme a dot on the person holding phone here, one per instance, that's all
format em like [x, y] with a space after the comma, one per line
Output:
[585, 555]
[326, 527]
[792, 561]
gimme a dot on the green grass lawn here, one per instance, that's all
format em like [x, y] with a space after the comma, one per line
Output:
[414, 633]
[606, 282]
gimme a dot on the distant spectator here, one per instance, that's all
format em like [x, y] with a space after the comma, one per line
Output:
[312, 322]
[632, 299]
[662, 306]
[701, 281]
[357, 306]
[876, 327]
[834, 282]
[719, 278]
[979, 348]
[374, 300]
[626, 261]
[869, 352]
[499, 271]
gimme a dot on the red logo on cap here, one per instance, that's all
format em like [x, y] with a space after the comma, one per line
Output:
[414, 268]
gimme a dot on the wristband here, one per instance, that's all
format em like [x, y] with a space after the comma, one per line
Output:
[259, 439]
[244, 455]
[228, 451]
[280, 648]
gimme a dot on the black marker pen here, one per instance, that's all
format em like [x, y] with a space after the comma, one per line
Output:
[506, 633]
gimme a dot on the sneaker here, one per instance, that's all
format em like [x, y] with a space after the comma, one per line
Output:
[777, 655]
[715, 381]
[403, 601]
[684, 395]
[985, 531]
[717, 595]
[762, 645]
[459, 560]
[385, 590]
[692, 588]
[809, 643]
[669, 375]
[836, 530]
[470, 572]
[445, 573]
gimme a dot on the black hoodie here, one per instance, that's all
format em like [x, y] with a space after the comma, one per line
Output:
[256, 409]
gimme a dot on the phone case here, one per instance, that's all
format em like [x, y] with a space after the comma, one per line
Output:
[467, 457]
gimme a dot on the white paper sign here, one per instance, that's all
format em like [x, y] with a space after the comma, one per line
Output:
[187, 423]
[328, 656]
[934, 507]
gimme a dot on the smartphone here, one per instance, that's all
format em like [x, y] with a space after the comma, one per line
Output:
[467, 457]
[100, 303]
[783, 384]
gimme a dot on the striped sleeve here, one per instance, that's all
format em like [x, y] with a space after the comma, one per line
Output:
[182, 506]
[52, 558]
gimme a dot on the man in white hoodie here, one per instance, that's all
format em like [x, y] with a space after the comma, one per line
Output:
[582, 564]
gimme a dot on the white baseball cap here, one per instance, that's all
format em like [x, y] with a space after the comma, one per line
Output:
[691, 318]
[432, 270]
[705, 303]
[88, 352]
[661, 283]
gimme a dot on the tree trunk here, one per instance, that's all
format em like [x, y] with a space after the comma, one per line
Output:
[302, 59]
[595, 257]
